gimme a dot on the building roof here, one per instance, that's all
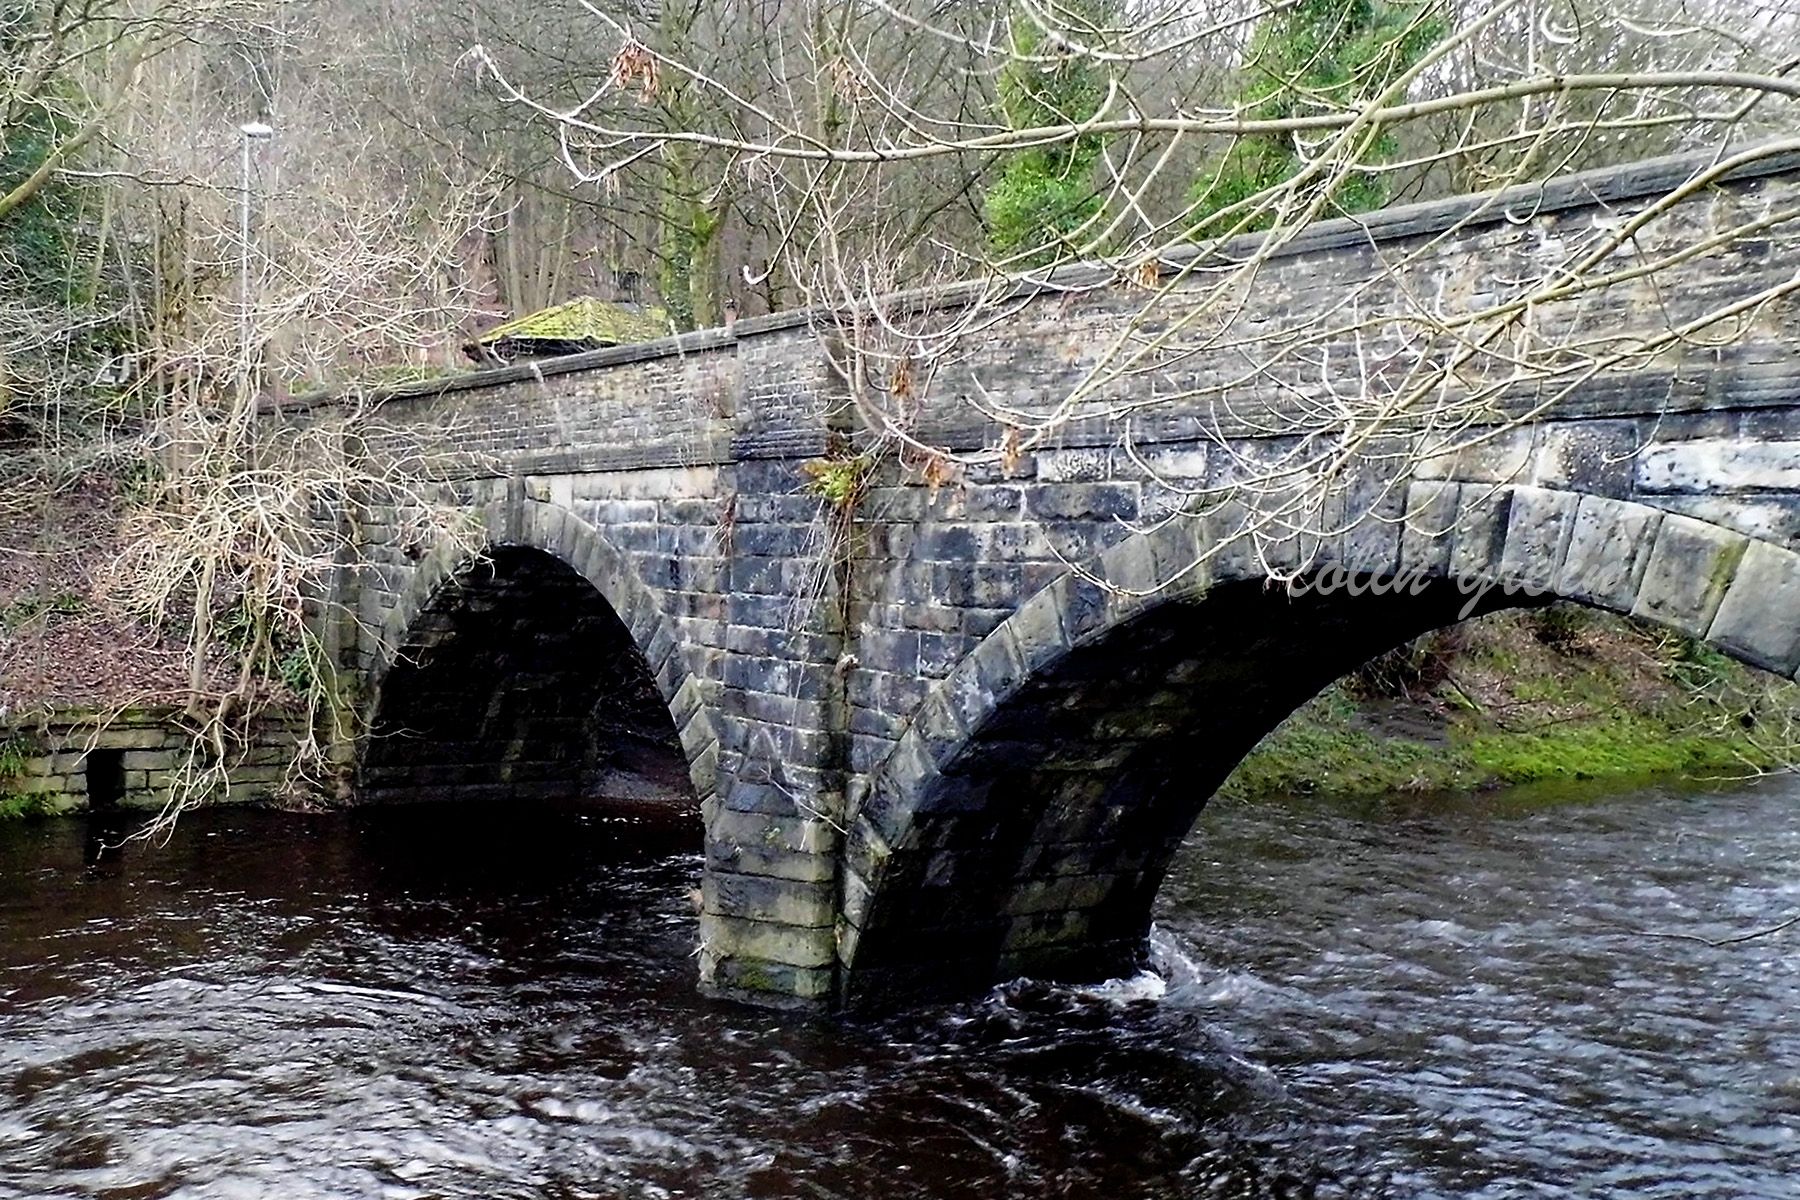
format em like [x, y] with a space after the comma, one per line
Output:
[587, 320]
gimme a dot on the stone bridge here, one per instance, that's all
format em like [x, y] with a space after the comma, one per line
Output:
[927, 753]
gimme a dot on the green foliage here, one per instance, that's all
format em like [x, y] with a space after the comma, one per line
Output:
[277, 652]
[38, 239]
[1317, 56]
[30, 607]
[14, 807]
[139, 479]
[838, 481]
[1695, 660]
[14, 750]
[1565, 694]
[296, 671]
[1045, 194]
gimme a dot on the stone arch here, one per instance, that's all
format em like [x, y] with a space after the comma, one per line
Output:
[515, 531]
[1027, 813]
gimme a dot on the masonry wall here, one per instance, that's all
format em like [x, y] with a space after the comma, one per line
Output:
[812, 640]
[45, 765]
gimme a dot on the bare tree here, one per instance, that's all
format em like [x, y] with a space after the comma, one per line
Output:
[1156, 134]
[230, 277]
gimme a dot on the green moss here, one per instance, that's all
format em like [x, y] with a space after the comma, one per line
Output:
[1620, 747]
[585, 320]
[1320, 750]
[1598, 699]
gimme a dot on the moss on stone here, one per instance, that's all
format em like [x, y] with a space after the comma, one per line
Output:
[588, 319]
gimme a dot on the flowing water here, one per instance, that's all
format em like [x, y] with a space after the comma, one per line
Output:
[1446, 997]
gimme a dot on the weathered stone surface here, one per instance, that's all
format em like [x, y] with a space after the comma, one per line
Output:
[1428, 536]
[148, 749]
[1502, 459]
[777, 901]
[1609, 546]
[1759, 618]
[765, 941]
[1537, 537]
[1478, 546]
[1691, 564]
[1719, 465]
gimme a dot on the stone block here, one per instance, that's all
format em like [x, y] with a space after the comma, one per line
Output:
[1771, 518]
[798, 902]
[1759, 618]
[1083, 502]
[1037, 629]
[866, 851]
[1480, 541]
[1088, 608]
[940, 652]
[1429, 532]
[1589, 457]
[938, 728]
[758, 858]
[992, 672]
[765, 982]
[853, 909]
[1370, 546]
[795, 835]
[1054, 927]
[1064, 892]
[791, 945]
[1719, 465]
[1500, 459]
[1691, 564]
[908, 773]
[133, 739]
[1609, 546]
[1082, 464]
[1537, 537]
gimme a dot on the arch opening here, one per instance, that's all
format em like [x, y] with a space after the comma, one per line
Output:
[518, 682]
[1039, 846]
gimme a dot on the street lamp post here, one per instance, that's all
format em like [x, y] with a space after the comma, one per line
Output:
[254, 131]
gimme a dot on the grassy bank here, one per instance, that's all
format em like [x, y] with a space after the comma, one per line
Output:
[1557, 693]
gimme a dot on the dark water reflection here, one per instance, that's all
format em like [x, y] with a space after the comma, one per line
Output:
[1418, 998]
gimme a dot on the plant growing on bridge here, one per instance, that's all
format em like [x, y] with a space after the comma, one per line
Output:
[838, 481]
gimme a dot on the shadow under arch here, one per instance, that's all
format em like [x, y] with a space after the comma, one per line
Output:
[541, 667]
[1028, 813]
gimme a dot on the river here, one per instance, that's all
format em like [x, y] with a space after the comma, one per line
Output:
[1412, 997]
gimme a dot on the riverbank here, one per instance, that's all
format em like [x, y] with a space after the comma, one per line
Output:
[1557, 693]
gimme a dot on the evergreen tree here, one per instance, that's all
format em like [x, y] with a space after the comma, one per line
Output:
[1046, 193]
[1316, 56]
